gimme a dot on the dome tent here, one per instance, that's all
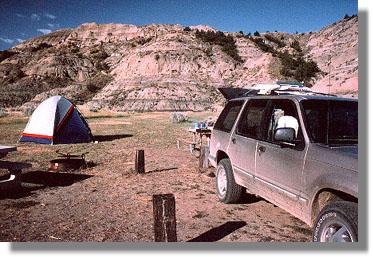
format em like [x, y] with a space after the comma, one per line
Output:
[56, 121]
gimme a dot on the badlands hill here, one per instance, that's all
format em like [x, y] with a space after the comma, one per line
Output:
[171, 67]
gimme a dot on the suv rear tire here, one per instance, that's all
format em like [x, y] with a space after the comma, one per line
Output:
[337, 222]
[227, 189]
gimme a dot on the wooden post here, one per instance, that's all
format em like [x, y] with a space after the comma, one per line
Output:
[204, 157]
[164, 218]
[178, 144]
[140, 161]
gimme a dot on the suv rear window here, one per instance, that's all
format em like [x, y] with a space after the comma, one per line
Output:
[331, 122]
[228, 116]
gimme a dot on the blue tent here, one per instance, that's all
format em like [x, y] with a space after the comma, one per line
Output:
[57, 121]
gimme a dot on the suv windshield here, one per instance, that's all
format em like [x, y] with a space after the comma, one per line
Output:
[331, 122]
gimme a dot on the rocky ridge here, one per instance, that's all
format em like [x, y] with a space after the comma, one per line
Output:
[164, 67]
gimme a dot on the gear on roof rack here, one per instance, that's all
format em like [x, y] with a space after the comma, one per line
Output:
[278, 88]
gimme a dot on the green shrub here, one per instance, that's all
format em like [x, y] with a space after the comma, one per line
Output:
[298, 68]
[102, 66]
[306, 70]
[257, 34]
[179, 117]
[227, 43]
[93, 108]
[259, 42]
[143, 41]
[98, 56]
[98, 82]
[347, 17]
[93, 87]
[187, 29]
[275, 40]
[295, 45]
[27, 111]
[40, 46]
[94, 51]
[288, 64]
[6, 54]
[3, 113]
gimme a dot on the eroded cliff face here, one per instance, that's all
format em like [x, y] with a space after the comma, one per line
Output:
[162, 67]
[336, 44]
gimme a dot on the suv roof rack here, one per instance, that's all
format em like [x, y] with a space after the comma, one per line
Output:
[283, 92]
[278, 88]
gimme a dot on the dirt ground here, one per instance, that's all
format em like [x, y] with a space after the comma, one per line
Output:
[109, 202]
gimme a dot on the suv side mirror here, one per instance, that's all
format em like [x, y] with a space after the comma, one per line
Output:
[285, 135]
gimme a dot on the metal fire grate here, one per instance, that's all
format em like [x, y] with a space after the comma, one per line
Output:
[68, 162]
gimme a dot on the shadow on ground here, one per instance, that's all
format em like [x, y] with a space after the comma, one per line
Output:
[19, 193]
[52, 179]
[105, 138]
[36, 180]
[247, 198]
[220, 232]
[161, 170]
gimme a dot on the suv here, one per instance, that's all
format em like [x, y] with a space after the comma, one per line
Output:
[299, 152]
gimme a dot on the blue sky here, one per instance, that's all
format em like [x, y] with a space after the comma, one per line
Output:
[22, 20]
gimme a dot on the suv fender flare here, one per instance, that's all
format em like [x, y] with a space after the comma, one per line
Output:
[338, 181]
[328, 183]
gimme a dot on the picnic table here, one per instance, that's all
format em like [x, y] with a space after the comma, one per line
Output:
[4, 150]
[203, 151]
[14, 168]
[198, 134]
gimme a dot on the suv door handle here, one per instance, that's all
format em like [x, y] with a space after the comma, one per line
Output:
[233, 140]
[261, 149]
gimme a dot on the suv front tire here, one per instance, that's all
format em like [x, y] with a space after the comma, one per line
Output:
[227, 189]
[337, 222]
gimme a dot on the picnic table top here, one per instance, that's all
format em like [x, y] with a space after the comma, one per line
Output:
[7, 149]
[200, 130]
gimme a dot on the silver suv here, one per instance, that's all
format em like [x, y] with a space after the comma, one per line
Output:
[299, 152]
